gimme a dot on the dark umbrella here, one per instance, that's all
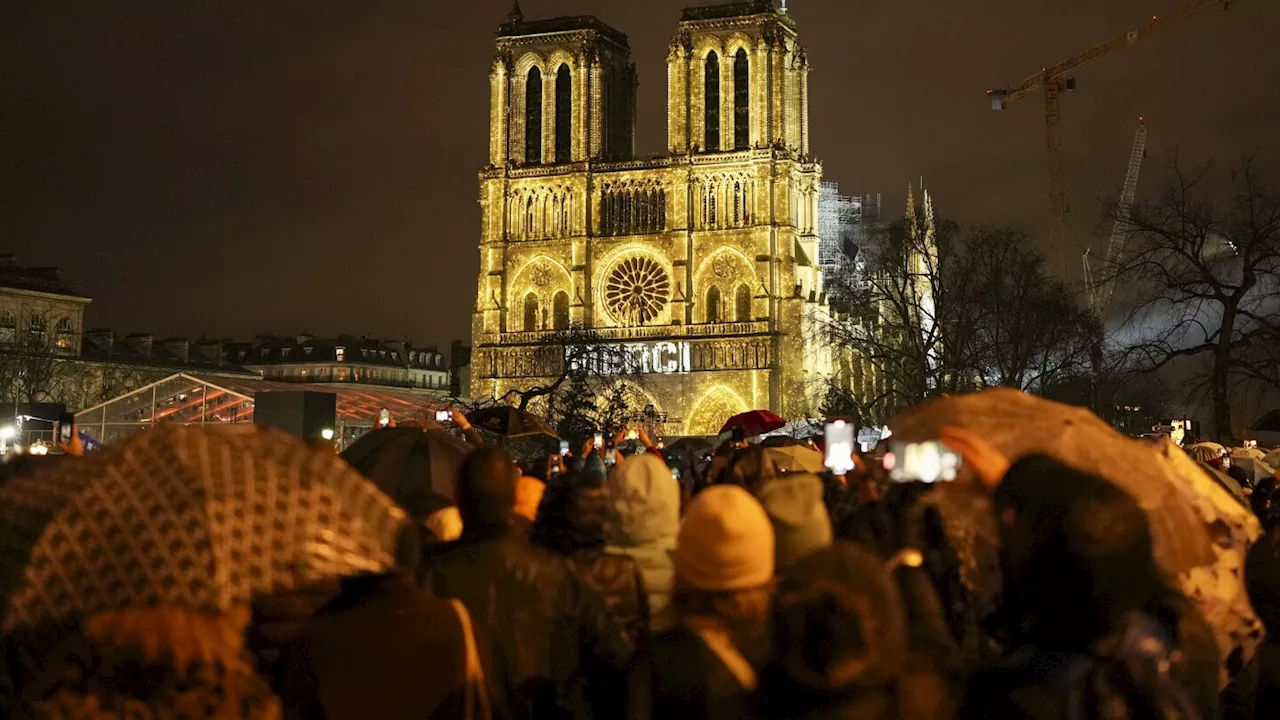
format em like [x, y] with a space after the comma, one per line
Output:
[417, 468]
[511, 423]
[755, 422]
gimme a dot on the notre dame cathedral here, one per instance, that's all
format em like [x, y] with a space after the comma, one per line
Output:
[702, 262]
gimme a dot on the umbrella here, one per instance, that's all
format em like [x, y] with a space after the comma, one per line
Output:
[756, 465]
[1181, 500]
[1272, 458]
[1255, 470]
[1252, 453]
[183, 515]
[416, 468]
[509, 422]
[754, 422]
[1206, 451]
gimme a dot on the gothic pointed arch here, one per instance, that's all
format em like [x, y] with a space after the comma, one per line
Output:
[712, 310]
[533, 116]
[742, 303]
[560, 311]
[711, 100]
[716, 405]
[741, 101]
[530, 312]
[564, 114]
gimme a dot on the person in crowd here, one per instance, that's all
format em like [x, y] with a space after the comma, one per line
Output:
[163, 661]
[532, 617]
[644, 517]
[1089, 631]
[705, 666]
[863, 667]
[571, 523]
[383, 648]
[801, 525]
[529, 492]
[1262, 578]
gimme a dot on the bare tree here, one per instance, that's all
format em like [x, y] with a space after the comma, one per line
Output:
[32, 359]
[954, 313]
[1204, 277]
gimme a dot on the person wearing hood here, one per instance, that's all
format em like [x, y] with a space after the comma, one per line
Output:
[1083, 599]
[801, 525]
[644, 517]
[863, 669]
[705, 666]
[570, 523]
[534, 620]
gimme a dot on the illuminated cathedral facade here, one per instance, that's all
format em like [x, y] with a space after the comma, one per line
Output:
[702, 262]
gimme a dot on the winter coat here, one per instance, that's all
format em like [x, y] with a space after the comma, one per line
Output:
[534, 621]
[677, 676]
[644, 504]
[571, 524]
[1262, 577]
[1125, 675]
[277, 619]
[383, 648]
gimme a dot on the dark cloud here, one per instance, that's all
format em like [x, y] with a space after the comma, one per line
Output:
[238, 166]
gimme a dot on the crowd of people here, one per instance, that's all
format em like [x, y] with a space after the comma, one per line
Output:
[627, 582]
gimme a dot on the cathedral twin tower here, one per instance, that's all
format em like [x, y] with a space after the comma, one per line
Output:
[701, 263]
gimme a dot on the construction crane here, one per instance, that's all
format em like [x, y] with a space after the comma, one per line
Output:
[1100, 293]
[1054, 81]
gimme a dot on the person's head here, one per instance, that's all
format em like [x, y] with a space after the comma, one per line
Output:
[724, 558]
[486, 489]
[571, 516]
[1077, 552]
[644, 502]
[839, 629]
[800, 521]
[529, 492]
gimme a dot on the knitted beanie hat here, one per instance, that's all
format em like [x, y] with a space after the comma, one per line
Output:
[800, 521]
[725, 542]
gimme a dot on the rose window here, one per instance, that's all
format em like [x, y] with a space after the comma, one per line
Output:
[636, 290]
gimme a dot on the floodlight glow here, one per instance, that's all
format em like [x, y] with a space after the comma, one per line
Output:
[7, 432]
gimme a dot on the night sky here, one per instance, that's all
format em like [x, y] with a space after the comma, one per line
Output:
[230, 167]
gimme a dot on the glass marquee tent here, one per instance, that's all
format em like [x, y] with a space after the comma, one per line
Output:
[197, 399]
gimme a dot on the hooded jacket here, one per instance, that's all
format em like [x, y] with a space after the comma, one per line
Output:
[571, 524]
[644, 517]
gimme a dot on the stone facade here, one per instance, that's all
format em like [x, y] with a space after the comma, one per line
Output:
[703, 260]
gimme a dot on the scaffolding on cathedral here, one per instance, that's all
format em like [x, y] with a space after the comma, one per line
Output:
[844, 224]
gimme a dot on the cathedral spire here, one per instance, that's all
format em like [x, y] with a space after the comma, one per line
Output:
[911, 210]
[516, 15]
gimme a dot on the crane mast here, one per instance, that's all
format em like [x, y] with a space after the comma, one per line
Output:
[1100, 293]
[1055, 81]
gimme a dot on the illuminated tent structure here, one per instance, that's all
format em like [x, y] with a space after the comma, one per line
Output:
[196, 400]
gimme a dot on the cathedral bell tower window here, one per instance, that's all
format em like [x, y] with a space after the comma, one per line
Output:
[533, 117]
[741, 102]
[564, 114]
[712, 103]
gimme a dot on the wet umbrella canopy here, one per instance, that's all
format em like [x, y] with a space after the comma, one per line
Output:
[204, 518]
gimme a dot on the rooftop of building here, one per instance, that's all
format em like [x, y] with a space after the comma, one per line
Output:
[722, 10]
[268, 350]
[34, 279]
[517, 26]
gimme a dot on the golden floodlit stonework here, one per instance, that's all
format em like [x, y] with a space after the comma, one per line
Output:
[703, 259]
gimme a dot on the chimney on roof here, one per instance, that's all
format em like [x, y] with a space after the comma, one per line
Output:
[103, 341]
[141, 343]
[180, 348]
